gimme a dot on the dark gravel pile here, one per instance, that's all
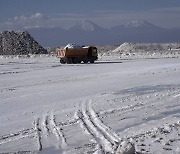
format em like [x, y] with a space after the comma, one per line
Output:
[19, 43]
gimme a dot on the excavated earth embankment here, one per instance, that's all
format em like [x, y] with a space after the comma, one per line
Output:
[19, 43]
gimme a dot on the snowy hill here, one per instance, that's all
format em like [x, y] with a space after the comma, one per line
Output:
[139, 24]
[85, 25]
[136, 25]
[144, 47]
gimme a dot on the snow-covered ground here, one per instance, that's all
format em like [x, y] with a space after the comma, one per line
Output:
[140, 50]
[47, 107]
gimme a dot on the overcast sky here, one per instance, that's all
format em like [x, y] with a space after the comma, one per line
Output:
[106, 13]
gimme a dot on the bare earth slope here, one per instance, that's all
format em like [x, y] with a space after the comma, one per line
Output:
[19, 43]
[46, 107]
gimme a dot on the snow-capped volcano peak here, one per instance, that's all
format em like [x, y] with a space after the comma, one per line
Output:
[138, 24]
[85, 25]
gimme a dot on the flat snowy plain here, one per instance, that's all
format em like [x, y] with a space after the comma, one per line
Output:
[47, 107]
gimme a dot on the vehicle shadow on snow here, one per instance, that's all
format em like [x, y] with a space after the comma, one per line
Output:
[81, 64]
[108, 62]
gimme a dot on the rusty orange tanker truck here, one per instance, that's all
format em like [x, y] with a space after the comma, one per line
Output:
[73, 54]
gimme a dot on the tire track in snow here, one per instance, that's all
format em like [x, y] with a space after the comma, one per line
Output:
[153, 98]
[70, 122]
[45, 125]
[57, 131]
[105, 129]
[87, 129]
[45, 130]
[17, 136]
[38, 133]
[48, 133]
[137, 106]
[107, 140]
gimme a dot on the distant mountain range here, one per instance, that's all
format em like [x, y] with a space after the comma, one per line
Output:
[87, 32]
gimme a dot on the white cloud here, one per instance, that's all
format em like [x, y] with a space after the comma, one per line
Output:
[21, 22]
[40, 20]
[20, 18]
[38, 16]
[172, 10]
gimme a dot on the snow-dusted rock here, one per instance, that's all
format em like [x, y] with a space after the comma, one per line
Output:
[126, 147]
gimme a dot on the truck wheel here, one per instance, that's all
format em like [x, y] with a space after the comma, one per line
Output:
[85, 61]
[62, 61]
[79, 61]
[91, 60]
[75, 61]
[69, 61]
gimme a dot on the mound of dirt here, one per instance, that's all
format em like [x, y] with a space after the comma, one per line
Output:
[19, 43]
